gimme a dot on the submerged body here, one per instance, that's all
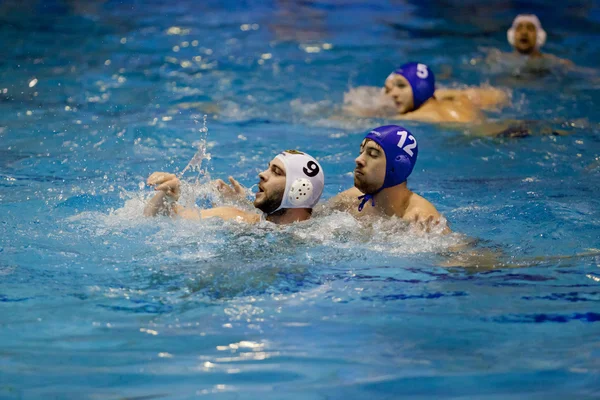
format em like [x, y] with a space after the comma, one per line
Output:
[411, 88]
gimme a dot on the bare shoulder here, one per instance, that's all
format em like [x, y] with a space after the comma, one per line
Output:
[230, 213]
[421, 208]
[425, 216]
[346, 201]
[459, 109]
[449, 109]
[429, 112]
[345, 198]
[350, 193]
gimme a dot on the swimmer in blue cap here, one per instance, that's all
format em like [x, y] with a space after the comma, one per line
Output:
[387, 157]
[412, 88]
[410, 93]
[287, 192]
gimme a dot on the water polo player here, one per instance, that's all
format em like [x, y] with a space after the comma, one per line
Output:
[527, 37]
[287, 191]
[412, 88]
[387, 157]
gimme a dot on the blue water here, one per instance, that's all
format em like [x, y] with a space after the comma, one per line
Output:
[97, 302]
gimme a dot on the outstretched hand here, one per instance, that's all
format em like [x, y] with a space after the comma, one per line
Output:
[165, 182]
[235, 191]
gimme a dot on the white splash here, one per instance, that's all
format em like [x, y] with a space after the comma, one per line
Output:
[369, 101]
[195, 163]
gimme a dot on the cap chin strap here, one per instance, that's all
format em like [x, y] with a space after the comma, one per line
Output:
[279, 211]
[366, 197]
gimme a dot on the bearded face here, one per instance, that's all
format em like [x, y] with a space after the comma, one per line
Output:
[271, 187]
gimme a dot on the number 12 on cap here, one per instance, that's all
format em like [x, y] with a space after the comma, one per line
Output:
[408, 149]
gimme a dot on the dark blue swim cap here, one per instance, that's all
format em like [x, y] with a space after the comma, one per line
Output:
[421, 79]
[401, 151]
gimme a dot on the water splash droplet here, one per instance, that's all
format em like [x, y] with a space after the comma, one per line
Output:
[195, 163]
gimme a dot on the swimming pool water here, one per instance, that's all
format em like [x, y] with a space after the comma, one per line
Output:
[98, 302]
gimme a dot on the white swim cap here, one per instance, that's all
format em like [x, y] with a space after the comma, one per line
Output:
[540, 32]
[304, 180]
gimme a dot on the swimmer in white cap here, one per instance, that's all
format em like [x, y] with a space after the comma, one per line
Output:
[527, 37]
[287, 191]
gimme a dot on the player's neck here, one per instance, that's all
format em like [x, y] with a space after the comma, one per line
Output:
[289, 215]
[535, 53]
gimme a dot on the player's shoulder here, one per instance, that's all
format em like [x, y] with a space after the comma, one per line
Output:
[419, 206]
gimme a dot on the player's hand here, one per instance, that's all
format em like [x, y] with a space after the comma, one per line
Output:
[165, 182]
[234, 191]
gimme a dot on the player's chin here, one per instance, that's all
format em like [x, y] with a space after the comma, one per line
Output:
[401, 108]
[359, 182]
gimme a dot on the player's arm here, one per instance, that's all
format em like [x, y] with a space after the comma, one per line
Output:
[228, 213]
[425, 217]
[167, 188]
[485, 97]
[345, 200]
[164, 202]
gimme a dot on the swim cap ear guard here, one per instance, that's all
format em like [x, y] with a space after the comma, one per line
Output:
[421, 79]
[304, 180]
[401, 151]
[540, 33]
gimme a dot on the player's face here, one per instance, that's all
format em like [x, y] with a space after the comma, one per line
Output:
[398, 88]
[525, 37]
[271, 187]
[369, 173]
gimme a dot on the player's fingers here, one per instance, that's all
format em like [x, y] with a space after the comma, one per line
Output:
[172, 185]
[159, 177]
[236, 185]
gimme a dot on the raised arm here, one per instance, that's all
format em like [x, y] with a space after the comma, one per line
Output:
[168, 191]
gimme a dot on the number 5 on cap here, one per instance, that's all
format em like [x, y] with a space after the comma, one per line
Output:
[408, 149]
[422, 71]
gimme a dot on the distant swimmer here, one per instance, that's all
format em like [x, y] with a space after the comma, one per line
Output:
[527, 37]
[387, 157]
[287, 191]
[412, 89]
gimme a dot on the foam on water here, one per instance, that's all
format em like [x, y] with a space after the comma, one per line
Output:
[227, 258]
[330, 229]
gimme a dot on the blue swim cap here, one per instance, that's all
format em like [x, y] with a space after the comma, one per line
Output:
[401, 151]
[421, 79]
